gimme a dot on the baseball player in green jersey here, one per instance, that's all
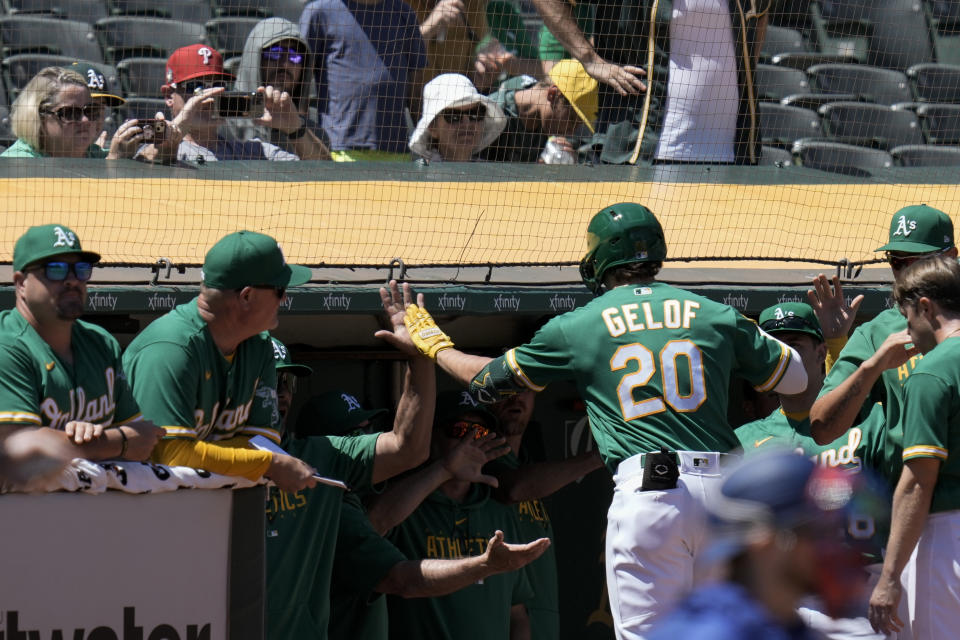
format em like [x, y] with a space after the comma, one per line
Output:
[879, 357]
[59, 372]
[653, 364]
[205, 370]
[926, 502]
[287, 373]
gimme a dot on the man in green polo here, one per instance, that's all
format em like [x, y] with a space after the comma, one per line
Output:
[59, 372]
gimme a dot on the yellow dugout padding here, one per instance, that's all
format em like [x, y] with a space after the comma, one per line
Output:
[370, 222]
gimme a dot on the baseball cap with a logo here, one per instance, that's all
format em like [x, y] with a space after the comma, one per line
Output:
[333, 413]
[797, 317]
[247, 258]
[919, 229]
[452, 405]
[194, 61]
[47, 241]
[580, 90]
[98, 84]
[284, 363]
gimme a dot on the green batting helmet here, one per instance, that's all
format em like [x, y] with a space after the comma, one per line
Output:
[620, 234]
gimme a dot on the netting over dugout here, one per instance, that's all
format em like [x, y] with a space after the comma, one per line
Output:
[476, 131]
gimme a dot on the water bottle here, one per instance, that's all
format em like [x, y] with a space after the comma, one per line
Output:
[554, 153]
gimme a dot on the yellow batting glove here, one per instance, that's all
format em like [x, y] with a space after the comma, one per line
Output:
[426, 335]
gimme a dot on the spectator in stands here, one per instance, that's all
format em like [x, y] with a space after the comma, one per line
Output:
[62, 375]
[195, 77]
[365, 51]
[437, 515]
[457, 121]
[277, 62]
[704, 109]
[56, 117]
[538, 110]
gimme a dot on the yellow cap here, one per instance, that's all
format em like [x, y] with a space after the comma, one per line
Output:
[578, 88]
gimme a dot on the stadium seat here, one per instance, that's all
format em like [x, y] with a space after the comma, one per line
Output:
[132, 36]
[941, 122]
[791, 13]
[142, 77]
[6, 134]
[804, 61]
[232, 65]
[781, 125]
[228, 35]
[840, 158]
[81, 10]
[18, 70]
[140, 108]
[773, 82]
[34, 34]
[936, 82]
[901, 36]
[926, 155]
[196, 11]
[945, 29]
[289, 9]
[782, 40]
[870, 84]
[775, 156]
[870, 124]
[841, 27]
[814, 101]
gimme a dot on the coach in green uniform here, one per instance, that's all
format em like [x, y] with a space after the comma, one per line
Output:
[59, 372]
[205, 371]
[926, 503]
[878, 358]
[653, 365]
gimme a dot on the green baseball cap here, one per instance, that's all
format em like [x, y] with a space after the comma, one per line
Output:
[919, 229]
[283, 361]
[451, 405]
[333, 413]
[47, 241]
[98, 84]
[796, 317]
[248, 258]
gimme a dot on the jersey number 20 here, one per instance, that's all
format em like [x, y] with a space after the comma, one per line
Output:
[669, 357]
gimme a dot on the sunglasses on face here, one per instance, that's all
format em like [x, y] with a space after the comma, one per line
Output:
[193, 87]
[57, 271]
[901, 262]
[91, 111]
[461, 428]
[477, 114]
[278, 53]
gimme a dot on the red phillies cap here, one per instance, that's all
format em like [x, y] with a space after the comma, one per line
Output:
[194, 61]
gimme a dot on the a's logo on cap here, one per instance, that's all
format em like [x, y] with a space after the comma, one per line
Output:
[279, 351]
[63, 238]
[205, 53]
[466, 400]
[780, 314]
[352, 403]
[904, 226]
[94, 79]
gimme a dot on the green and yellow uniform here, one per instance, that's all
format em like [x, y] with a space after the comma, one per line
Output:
[38, 388]
[302, 528]
[652, 363]
[446, 529]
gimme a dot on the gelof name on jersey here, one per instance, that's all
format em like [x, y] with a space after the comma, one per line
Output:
[668, 314]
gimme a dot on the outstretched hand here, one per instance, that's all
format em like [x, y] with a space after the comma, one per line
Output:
[395, 302]
[835, 315]
[465, 461]
[624, 79]
[501, 557]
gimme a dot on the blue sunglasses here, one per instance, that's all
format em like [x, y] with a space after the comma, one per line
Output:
[278, 53]
[57, 271]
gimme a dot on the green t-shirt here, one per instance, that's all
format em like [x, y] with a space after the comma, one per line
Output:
[183, 382]
[653, 364]
[301, 532]
[888, 390]
[931, 420]
[861, 447]
[20, 149]
[444, 528]
[534, 522]
[38, 388]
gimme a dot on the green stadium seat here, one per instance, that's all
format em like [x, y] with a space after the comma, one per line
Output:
[941, 123]
[782, 40]
[870, 84]
[945, 28]
[289, 9]
[794, 14]
[804, 61]
[228, 35]
[841, 28]
[774, 82]
[871, 125]
[936, 82]
[814, 101]
[36, 34]
[901, 36]
[781, 125]
[142, 77]
[80, 10]
[134, 36]
[196, 11]
[142, 108]
[775, 156]
[837, 157]
[926, 155]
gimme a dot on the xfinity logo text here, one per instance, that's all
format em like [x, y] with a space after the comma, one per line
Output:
[10, 630]
[789, 298]
[287, 302]
[102, 301]
[451, 302]
[502, 302]
[336, 302]
[158, 302]
[562, 303]
[738, 301]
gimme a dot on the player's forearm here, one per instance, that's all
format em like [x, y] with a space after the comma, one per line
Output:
[408, 444]
[401, 498]
[835, 412]
[228, 457]
[541, 479]
[431, 578]
[911, 506]
[559, 19]
[463, 367]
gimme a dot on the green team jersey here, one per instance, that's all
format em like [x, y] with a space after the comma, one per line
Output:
[363, 558]
[931, 420]
[183, 382]
[302, 530]
[444, 528]
[863, 446]
[888, 390]
[38, 388]
[534, 522]
[653, 364]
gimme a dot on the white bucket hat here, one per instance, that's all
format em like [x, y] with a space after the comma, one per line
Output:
[454, 90]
